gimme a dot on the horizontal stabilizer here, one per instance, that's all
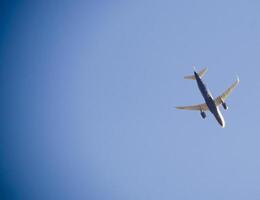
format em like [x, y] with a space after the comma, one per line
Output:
[200, 73]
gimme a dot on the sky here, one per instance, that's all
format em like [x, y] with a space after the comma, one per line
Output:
[88, 96]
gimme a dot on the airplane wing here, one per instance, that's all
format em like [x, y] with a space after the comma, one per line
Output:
[200, 107]
[220, 99]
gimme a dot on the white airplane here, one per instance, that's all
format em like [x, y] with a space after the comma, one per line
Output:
[210, 104]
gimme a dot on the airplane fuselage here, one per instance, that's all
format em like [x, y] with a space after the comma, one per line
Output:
[209, 100]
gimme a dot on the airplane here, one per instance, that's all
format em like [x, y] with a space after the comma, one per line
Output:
[210, 104]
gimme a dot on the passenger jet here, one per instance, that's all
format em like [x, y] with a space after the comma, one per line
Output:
[210, 104]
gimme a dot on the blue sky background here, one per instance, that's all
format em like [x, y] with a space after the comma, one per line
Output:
[88, 90]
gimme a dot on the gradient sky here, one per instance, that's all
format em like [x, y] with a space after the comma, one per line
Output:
[88, 90]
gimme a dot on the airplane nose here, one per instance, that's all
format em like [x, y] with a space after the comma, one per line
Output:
[222, 124]
[220, 121]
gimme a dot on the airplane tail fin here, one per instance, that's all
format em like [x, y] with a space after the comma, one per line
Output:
[201, 73]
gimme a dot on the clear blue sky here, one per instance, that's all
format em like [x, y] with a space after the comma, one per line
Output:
[88, 91]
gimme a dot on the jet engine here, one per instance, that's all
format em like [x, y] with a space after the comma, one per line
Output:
[224, 105]
[203, 114]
